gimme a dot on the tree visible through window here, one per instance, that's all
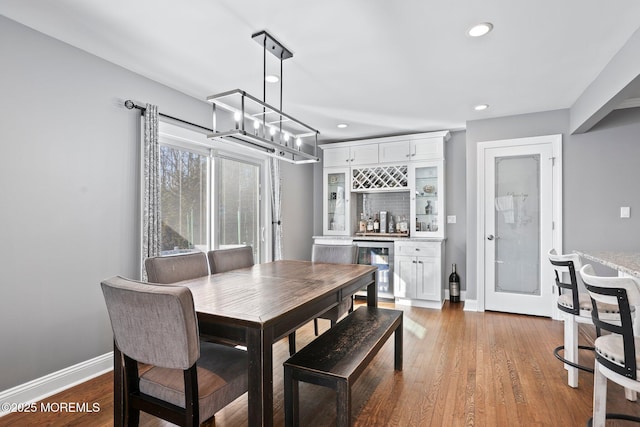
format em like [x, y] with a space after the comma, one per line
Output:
[183, 200]
[238, 187]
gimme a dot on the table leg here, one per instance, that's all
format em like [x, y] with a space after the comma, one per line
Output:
[260, 352]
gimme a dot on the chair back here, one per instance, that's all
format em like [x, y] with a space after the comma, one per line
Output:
[153, 324]
[622, 292]
[175, 268]
[222, 260]
[334, 254]
[566, 264]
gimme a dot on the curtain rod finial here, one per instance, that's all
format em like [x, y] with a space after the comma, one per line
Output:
[129, 104]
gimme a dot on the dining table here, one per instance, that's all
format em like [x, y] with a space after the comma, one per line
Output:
[259, 305]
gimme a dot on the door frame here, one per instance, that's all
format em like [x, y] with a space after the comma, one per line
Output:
[556, 186]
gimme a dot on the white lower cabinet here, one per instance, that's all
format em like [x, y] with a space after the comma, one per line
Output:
[418, 273]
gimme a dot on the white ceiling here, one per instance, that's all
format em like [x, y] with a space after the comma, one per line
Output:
[383, 67]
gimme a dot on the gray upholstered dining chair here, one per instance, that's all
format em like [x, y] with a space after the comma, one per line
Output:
[334, 254]
[175, 268]
[221, 260]
[618, 351]
[185, 381]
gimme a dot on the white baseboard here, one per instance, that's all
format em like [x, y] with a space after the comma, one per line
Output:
[471, 305]
[56, 382]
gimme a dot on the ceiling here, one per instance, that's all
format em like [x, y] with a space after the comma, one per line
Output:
[382, 67]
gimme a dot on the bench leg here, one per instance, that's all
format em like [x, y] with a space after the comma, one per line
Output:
[343, 404]
[292, 343]
[291, 402]
[398, 347]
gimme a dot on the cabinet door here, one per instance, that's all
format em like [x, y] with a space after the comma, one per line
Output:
[427, 199]
[336, 205]
[364, 154]
[427, 149]
[428, 279]
[336, 157]
[404, 277]
[394, 152]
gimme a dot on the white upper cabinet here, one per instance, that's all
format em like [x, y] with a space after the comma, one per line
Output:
[350, 156]
[427, 149]
[395, 152]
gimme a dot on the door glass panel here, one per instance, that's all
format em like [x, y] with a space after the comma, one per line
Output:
[426, 186]
[517, 224]
[337, 201]
[183, 201]
[238, 185]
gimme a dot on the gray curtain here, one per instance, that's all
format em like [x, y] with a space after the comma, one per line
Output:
[151, 187]
[276, 207]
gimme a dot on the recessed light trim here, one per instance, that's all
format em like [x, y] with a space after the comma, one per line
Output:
[272, 78]
[342, 125]
[480, 29]
[481, 107]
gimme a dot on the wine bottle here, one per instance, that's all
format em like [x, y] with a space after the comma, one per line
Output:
[363, 224]
[454, 286]
[376, 224]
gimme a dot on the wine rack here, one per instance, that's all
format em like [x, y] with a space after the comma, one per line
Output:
[380, 177]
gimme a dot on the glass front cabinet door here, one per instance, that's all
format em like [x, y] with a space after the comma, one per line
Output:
[336, 206]
[427, 200]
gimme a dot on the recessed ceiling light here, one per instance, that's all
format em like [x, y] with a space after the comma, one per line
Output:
[481, 107]
[272, 78]
[481, 29]
[342, 125]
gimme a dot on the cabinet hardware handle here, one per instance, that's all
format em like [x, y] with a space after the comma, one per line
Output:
[420, 262]
[414, 261]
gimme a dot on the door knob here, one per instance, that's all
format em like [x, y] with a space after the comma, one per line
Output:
[490, 237]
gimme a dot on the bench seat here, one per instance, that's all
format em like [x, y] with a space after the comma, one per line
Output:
[337, 358]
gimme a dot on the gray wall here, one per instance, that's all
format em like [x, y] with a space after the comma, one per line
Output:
[456, 245]
[297, 215]
[69, 185]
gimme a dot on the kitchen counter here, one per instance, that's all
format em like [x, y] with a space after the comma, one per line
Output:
[626, 262]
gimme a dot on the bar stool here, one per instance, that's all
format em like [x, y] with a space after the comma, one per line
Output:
[575, 308]
[617, 353]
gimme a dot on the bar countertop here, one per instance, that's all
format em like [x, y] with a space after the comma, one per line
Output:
[627, 262]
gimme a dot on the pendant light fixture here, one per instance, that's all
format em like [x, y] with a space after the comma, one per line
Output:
[244, 120]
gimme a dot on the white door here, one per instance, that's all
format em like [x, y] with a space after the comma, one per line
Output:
[520, 215]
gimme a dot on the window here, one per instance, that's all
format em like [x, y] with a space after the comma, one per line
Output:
[208, 198]
[183, 200]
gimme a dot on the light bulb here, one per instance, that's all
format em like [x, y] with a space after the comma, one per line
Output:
[236, 117]
[256, 126]
[298, 142]
[272, 131]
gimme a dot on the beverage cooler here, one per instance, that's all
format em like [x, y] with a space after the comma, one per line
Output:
[379, 254]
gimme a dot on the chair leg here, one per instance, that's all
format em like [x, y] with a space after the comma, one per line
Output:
[599, 397]
[315, 326]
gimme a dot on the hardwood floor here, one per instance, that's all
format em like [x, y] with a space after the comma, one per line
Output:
[460, 369]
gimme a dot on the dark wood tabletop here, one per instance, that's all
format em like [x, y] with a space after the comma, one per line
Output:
[261, 304]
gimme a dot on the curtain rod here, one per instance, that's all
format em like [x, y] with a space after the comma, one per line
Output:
[131, 105]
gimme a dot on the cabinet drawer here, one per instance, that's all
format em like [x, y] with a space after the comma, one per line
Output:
[413, 249]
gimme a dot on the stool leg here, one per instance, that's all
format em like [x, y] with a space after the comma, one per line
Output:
[630, 395]
[343, 404]
[599, 397]
[571, 349]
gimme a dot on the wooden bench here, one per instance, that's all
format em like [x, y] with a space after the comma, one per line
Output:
[337, 358]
